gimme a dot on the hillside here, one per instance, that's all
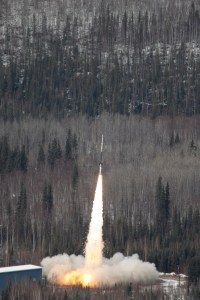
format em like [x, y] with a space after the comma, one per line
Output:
[63, 57]
[71, 71]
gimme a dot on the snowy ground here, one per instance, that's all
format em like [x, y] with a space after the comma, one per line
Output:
[174, 277]
[174, 285]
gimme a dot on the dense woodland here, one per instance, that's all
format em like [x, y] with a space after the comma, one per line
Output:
[76, 58]
[70, 71]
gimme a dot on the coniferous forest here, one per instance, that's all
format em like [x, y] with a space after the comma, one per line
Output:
[71, 71]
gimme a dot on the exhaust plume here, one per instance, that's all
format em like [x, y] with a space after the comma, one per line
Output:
[94, 245]
[94, 270]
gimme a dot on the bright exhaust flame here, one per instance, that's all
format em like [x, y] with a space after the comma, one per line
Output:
[94, 245]
[76, 278]
[94, 270]
[87, 279]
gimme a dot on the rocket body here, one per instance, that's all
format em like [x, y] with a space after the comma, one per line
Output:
[101, 157]
[102, 144]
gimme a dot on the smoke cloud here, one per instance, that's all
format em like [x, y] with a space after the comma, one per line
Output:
[117, 269]
[95, 270]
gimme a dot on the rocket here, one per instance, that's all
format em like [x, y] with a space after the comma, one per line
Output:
[101, 157]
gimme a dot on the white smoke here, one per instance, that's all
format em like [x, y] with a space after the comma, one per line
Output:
[94, 269]
[117, 269]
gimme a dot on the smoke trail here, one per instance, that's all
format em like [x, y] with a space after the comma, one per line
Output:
[94, 245]
[93, 269]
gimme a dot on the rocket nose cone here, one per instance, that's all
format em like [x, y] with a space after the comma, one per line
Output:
[102, 143]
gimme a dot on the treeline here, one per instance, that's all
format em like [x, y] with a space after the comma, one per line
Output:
[17, 159]
[143, 62]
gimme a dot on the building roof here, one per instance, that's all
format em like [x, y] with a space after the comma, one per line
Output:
[19, 268]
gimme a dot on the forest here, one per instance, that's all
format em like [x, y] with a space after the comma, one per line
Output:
[90, 60]
[71, 71]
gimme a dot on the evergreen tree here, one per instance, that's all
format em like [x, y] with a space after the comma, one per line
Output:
[171, 141]
[58, 150]
[47, 198]
[162, 206]
[196, 221]
[54, 152]
[41, 155]
[15, 159]
[167, 203]
[22, 200]
[159, 198]
[193, 147]
[176, 224]
[21, 214]
[23, 160]
[192, 144]
[75, 176]
[51, 156]
[177, 139]
[68, 146]
[4, 153]
[74, 147]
